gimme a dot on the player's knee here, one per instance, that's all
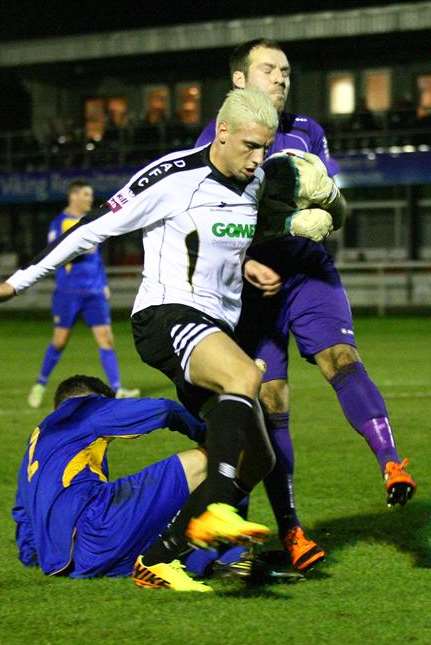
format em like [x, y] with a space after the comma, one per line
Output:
[104, 338]
[60, 340]
[106, 343]
[344, 356]
[59, 345]
[335, 359]
[247, 381]
[194, 463]
[274, 396]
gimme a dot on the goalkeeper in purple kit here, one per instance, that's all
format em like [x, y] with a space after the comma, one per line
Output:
[312, 306]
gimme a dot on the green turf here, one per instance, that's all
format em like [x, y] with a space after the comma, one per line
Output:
[376, 583]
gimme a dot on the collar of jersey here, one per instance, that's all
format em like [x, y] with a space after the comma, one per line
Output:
[236, 186]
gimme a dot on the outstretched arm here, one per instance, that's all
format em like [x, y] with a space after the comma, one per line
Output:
[131, 418]
[142, 202]
[89, 231]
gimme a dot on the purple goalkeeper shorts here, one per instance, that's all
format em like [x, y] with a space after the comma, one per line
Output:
[312, 305]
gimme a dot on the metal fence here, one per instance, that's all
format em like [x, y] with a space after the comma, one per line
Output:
[377, 286]
[135, 142]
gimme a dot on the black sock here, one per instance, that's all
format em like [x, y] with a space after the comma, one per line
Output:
[227, 422]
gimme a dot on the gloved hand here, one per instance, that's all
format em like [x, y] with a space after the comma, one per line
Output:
[314, 223]
[314, 184]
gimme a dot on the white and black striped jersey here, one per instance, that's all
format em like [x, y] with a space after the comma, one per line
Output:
[197, 225]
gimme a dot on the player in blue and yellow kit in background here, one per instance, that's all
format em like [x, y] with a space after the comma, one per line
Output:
[70, 519]
[81, 289]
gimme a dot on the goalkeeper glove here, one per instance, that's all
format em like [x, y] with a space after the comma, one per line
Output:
[314, 185]
[314, 223]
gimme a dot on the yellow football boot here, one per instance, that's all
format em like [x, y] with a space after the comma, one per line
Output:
[165, 576]
[222, 523]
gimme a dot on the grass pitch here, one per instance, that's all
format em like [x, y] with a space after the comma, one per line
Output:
[376, 583]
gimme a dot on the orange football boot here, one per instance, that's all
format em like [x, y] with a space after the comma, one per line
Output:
[304, 553]
[399, 484]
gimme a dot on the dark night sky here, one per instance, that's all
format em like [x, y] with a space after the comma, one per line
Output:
[23, 19]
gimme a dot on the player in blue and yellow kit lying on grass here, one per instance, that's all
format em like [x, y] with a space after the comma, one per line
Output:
[70, 519]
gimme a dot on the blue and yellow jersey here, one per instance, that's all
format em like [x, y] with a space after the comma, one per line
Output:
[65, 465]
[84, 274]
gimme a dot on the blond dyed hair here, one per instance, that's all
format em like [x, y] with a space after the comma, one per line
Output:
[247, 106]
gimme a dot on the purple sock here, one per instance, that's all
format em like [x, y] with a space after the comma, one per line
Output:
[50, 360]
[109, 361]
[279, 483]
[365, 410]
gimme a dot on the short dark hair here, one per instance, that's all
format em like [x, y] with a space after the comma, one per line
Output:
[81, 385]
[77, 184]
[239, 60]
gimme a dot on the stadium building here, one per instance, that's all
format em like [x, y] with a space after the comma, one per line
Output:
[100, 105]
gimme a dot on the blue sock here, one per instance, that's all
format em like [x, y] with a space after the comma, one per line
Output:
[50, 360]
[199, 561]
[109, 361]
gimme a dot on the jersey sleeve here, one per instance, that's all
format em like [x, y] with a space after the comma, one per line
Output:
[207, 135]
[319, 147]
[24, 530]
[139, 204]
[131, 418]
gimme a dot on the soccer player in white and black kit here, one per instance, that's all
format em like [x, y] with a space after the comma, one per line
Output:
[198, 211]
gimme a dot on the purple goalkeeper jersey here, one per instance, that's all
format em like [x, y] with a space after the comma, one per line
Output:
[295, 131]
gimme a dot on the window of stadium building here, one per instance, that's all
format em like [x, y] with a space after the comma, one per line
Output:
[104, 114]
[341, 93]
[188, 103]
[377, 89]
[424, 96]
[156, 104]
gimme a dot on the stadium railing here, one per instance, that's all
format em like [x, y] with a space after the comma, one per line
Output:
[129, 145]
[376, 286]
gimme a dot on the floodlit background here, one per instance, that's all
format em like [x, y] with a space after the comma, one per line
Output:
[96, 90]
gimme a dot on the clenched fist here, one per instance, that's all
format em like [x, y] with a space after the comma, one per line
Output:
[314, 223]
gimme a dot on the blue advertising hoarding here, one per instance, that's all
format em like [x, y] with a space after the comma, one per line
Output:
[355, 170]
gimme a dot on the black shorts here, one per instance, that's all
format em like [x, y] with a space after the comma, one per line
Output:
[165, 336]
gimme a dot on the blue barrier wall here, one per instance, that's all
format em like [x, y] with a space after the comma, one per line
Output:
[356, 170]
